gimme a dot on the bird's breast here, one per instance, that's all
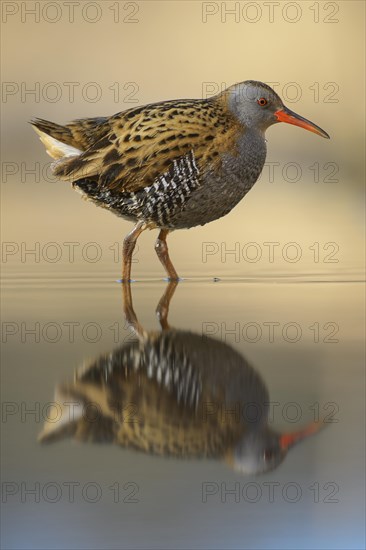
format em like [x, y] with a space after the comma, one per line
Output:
[224, 187]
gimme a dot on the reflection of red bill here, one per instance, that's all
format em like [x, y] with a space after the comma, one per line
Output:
[288, 440]
[285, 115]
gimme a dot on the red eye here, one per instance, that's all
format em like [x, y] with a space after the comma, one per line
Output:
[262, 101]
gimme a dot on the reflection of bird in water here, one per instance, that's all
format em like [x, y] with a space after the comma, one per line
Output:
[173, 393]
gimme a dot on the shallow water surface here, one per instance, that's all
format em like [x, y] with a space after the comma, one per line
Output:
[120, 434]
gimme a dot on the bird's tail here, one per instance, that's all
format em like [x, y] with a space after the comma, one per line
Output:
[58, 140]
[74, 138]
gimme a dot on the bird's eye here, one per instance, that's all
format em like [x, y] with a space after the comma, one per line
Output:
[268, 454]
[262, 102]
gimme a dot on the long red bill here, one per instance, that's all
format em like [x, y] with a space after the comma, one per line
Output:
[288, 440]
[285, 115]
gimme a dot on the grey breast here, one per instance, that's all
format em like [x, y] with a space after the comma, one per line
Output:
[221, 190]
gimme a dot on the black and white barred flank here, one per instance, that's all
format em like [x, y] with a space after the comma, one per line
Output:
[155, 203]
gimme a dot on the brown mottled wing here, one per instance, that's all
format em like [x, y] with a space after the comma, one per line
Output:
[143, 143]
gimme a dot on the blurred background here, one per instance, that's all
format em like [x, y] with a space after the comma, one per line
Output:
[291, 252]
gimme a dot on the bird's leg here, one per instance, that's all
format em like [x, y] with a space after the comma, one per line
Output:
[161, 249]
[162, 309]
[129, 244]
[129, 312]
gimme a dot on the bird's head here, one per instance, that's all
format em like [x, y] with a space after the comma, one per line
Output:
[261, 451]
[257, 106]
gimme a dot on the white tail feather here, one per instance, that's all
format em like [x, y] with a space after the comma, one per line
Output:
[55, 148]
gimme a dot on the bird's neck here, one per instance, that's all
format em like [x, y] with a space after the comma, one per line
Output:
[252, 146]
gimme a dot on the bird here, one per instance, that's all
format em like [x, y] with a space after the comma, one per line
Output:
[175, 394]
[170, 165]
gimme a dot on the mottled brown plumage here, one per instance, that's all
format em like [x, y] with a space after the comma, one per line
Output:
[170, 165]
[138, 145]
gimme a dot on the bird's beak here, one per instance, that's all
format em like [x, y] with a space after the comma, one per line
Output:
[288, 440]
[285, 115]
